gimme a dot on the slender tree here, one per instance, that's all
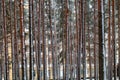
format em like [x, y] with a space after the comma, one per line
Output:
[119, 38]
[83, 37]
[89, 51]
[52, 47]
[109, 44]
[79, 39]
[39, 39]
[43, 40]
[15, 54]
[95, 41]
[113, 38]
[5, 41]
[101, 39]
[11, 32]
[1, 42]
[31, 39]
[22, 37]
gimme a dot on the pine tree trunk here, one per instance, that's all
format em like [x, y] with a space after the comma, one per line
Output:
[101, 56]
[31, 76]
[39, 44]
[119, 38]
[5, 41]
[22, 37]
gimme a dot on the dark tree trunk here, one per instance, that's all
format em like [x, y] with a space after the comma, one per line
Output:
[101, 56]
[118, 67]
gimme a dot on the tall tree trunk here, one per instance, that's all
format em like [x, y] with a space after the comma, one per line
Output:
[31, 76]
[101, 40]
[1, 43]
[109, 44]
[15, 45]
[52, 47]
[66, 40]
[22, 37]
[83, 37]
[43, 40]
[95, 41]
[119, 37]
[113, 39]
[39, 44]
[11, 42]
[5, 41]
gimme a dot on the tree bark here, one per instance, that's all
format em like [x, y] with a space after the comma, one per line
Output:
[101, 53]
[5, 41]
[119, 38]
